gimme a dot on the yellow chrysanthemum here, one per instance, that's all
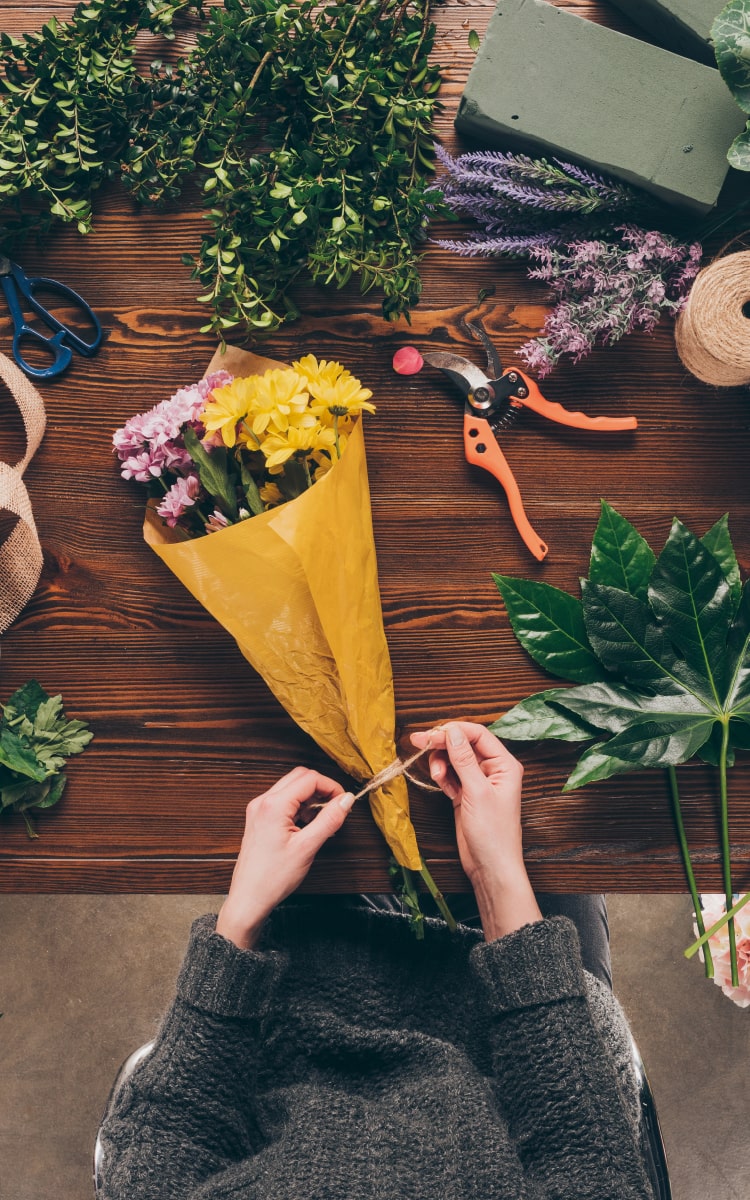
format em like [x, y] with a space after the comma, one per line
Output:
[345, 397]
[320, 372]
[297, 439]
[278, 394]
[271, 495]
[228, 406]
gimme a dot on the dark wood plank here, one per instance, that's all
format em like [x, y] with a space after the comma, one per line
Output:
[185, 732]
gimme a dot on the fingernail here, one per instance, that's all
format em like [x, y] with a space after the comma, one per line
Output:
[434, 771]
[455, 735]
[346, 801]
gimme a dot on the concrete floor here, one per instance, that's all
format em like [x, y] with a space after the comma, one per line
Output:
[83, 980]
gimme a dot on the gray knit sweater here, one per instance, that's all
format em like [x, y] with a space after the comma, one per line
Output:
[342, 1060]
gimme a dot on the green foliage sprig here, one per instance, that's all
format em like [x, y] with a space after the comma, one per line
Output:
[730, 33]
[64, 95]
[307, 127]
[660, 649]
[35, 740]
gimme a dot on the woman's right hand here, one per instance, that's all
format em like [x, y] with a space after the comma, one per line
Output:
[483, 781]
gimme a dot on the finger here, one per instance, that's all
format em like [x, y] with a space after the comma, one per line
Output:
[462, 757]
[485, 744]
[302, 785]
[444, 775]
[293, 774]
[328, 821]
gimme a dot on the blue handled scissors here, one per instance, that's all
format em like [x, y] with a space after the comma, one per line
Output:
[19, 289]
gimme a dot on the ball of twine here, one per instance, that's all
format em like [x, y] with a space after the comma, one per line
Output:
[712, 332]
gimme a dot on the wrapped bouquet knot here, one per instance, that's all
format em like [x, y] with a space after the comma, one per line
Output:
[261, 507]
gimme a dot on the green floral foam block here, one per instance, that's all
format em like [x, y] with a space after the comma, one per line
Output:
[681, 25]
[552, 83]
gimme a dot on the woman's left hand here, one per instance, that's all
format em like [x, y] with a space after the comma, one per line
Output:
[276, 853]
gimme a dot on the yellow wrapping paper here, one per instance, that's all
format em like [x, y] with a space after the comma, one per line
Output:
[297, 587]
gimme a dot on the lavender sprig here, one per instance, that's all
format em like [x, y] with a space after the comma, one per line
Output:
[605, 290]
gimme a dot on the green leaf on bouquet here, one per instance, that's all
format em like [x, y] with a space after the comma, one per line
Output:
[536, 718]
[620, 557]
[549, 625]
[214, 473]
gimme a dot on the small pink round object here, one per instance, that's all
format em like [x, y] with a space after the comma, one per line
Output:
[407, 361]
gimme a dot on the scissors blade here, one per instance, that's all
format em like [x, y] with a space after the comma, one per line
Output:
[466, 376]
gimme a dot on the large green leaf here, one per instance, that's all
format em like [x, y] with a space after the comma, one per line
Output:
[549, 625]
[596, 764]
[18, 757]
[214, 471]
[535, 719]
[738, 661]
[731, 37]
[613, 708]
[718, 542]
[620, 557]
[662, 743]
[627, 639]
[690, 595]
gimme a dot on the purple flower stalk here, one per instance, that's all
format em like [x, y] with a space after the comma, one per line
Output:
[607, 289]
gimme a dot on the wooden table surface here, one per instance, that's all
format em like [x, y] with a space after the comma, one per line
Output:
[185, 732]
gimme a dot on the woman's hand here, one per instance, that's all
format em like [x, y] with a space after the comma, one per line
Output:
[483, 781]
[276, 853]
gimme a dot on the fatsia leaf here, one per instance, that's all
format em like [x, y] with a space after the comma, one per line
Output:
[620, 556]
[614, 707]
[535, 719]
[596, 764]
[690, 595]
[627, 640]
[718, 542]
[549, 625]
[738, 661]
[662, 743]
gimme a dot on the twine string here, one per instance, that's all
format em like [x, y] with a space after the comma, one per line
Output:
[712, 333]
[395, 769]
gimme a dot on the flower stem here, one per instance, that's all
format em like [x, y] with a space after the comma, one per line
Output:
[336, 434]
[680, 827]
[709, 933]
[438, 897]
[725, 851]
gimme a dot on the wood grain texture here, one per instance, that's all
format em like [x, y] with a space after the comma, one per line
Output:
[185, 732]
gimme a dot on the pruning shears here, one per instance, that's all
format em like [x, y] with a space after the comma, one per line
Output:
[491, 403]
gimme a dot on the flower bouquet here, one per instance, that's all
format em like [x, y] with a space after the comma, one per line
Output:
[263, 512]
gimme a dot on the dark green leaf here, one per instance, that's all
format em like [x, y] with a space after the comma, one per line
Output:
[662, 743]
[213, 470]
[25, 702]
[614, 707]
[596, 764]
[738, 154]
[620, 557]
[718, 542]
[19, 757]
[689, 593]
[738, 661]
[535, 719]
[549, 625]
[627, 639]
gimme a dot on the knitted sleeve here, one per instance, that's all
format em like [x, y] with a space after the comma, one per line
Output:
[567, 1113]
[186, 1113]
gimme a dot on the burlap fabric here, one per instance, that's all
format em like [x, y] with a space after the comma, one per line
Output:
[21, 553]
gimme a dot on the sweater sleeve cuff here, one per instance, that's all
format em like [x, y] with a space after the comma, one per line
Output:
[217, 977]
[537, 964]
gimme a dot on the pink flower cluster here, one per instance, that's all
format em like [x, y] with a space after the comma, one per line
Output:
[149, 443]
[713, 907]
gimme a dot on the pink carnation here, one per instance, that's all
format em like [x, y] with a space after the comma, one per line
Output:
[713, 909]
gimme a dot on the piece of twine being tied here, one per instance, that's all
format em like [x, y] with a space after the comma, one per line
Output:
[399, 766]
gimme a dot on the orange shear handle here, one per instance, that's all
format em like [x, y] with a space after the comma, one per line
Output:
[555, 412]
[483, 451]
